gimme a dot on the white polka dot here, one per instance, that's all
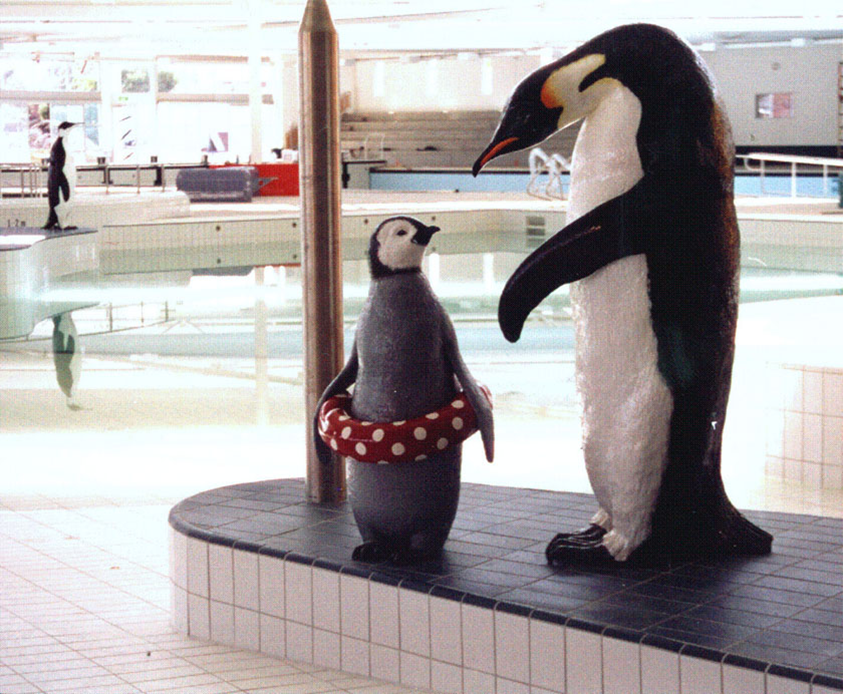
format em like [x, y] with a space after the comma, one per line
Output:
[399, 423]
[334, 444]
[360, 449]
[383, 462]
[458, 423]
[433, 415]
[346, 432]
[458, 404]
[343, 418]
[420, 433]
[397, 449]
[442, 443]
[366, 424]
[421, 457]
[378, 435]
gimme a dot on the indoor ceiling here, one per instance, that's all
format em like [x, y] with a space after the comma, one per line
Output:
[150, 28]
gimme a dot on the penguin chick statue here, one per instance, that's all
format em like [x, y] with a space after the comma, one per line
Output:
[61, 180]
[652, 240]
[67, 357]
[406, 368]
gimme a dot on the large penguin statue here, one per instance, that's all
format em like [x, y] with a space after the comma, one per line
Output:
[61, 180]
[67, 357]
[403, 426]
[652, 240]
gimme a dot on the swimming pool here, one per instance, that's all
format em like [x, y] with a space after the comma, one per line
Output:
[506, 181]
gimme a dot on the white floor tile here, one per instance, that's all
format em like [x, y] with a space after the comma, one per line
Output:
[700, 676]
[326, 585]
[220, 574]
[245, 565]
[478, 639]
[660, 670]
[621, 663]
[512, 651]
[583, 662]
[271, 582]
[384, 614]
[414, 629]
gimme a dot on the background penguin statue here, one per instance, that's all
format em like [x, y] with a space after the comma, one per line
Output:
[61, 180]
[404, 363]
[67, 357]
[652, 237]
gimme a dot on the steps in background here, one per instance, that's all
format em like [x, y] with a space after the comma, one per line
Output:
[434, 139]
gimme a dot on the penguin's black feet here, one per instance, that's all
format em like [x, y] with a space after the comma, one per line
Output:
[373, 552]
[589, 535]
[583, 547]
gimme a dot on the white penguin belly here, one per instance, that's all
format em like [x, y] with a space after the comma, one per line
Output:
[626, 404]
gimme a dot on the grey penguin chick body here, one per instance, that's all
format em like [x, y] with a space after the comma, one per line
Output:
[403, 374]
[405, 363]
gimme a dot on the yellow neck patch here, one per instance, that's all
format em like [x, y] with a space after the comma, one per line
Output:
[551, 93]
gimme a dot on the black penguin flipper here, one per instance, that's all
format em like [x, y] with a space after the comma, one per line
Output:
[341, 382]
[601, 236]
[480, 404]
[64, 188]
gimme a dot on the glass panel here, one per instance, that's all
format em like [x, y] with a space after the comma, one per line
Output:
[14, 144]
[135, 81]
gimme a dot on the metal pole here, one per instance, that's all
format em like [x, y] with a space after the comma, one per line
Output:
[319, 185]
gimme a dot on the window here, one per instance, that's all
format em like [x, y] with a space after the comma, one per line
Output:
[774, 105]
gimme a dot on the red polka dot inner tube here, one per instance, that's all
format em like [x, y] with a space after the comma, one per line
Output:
[396, 442]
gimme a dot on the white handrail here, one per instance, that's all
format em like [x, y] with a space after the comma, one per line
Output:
[555, 165]
[793, 160]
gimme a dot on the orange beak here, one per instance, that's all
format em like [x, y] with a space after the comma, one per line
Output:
[498, 147]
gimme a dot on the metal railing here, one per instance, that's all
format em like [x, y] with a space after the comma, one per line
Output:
[794, 161]
[33, 184]
[380, 137]
[555, 165]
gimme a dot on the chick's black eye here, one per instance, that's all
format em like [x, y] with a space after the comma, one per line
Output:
[401, 232]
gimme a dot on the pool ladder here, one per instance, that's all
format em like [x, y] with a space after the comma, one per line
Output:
[555, 165]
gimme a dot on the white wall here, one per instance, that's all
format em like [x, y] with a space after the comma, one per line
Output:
[809, 72]
[454, 85]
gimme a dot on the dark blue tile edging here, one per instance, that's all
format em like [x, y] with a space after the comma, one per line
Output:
[736, 612]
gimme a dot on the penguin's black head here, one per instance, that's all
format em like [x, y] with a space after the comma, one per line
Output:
[526, 119]
[650, 61]
[398, 245]
[65, 126]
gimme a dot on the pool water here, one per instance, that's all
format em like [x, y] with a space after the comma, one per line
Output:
[501, 181]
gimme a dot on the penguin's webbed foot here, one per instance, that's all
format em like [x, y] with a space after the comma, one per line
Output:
[373, 552]
[584, 547]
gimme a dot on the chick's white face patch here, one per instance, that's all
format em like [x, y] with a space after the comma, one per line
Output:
[396, 249]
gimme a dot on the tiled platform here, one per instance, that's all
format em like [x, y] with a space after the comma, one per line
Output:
[255, 565]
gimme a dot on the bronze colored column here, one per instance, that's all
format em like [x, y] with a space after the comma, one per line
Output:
[319, 189]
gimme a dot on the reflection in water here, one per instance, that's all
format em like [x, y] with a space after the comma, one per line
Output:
[202, 385]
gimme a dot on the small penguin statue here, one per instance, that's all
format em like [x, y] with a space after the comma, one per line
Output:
[406, 366]
[67, 357]
[652, 247]
[61, 181]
